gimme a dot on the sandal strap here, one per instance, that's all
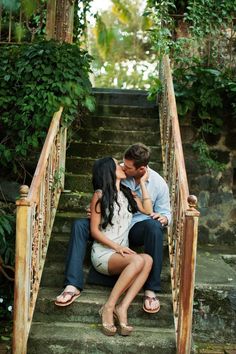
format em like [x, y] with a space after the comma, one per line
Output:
[70, 293]
[151, 299]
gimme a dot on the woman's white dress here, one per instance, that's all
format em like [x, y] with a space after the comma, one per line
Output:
[118, 232]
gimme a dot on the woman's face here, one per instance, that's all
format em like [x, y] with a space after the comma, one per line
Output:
[119, 171]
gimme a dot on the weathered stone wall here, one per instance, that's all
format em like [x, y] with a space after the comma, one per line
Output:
[216, 191]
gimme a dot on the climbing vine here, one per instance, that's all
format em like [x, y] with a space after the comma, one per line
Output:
[81, 11]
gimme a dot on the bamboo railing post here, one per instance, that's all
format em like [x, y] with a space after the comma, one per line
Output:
[186, 291]
[22, 273]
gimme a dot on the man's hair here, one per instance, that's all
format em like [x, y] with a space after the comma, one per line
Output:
[139, 154]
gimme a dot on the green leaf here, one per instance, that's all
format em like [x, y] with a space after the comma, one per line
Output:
[7, 77]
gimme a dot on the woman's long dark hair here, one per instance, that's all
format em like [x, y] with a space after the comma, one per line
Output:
[104, 178]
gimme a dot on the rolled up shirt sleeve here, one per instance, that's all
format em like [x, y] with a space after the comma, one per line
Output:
[159, 193]
[162, 202]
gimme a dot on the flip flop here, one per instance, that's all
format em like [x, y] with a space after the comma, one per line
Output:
[73, 296]
[151, 299]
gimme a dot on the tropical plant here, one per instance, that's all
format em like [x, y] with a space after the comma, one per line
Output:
[120, 46]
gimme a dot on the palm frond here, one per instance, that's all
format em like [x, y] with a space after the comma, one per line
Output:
[121, 11]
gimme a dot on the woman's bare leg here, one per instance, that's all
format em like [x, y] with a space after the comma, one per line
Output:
[134, 288]
[128, 267]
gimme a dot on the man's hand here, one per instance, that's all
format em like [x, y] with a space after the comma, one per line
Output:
[162, 218]
[145, 177]
[88, 211]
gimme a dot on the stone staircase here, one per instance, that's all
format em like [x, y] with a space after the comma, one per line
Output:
[121, 118]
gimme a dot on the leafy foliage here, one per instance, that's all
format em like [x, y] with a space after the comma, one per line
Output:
[7, 237]
[7, 258]
[81, 10]
[28, 19]
[204, 68]
[209, 17]
[121, 47]
[35, 80]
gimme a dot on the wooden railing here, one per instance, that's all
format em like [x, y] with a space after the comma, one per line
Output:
[36, 211]
[183, 231]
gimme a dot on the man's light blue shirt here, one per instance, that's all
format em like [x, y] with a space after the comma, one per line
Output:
[158, 192]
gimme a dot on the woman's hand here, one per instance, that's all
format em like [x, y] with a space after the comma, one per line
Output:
[144, 178]
[124, 250]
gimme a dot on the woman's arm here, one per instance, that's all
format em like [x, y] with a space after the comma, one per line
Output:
[97, 234]
[144, 204]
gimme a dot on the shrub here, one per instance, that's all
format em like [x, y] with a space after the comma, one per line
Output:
[35, 80]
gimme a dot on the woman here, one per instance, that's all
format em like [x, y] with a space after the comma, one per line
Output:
[111, 212]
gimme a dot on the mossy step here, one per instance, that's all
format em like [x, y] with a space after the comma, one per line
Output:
[59, 243]
[74, 201]
[118, 136]
[78, 165]
[76, 338]
[123, 97]
[121, 123]
[126, 111]
[53, 275]
[64, 220]
[85, 309]
[97, 150]
[75, 182]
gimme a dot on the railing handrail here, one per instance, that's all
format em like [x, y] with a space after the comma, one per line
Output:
[35, 184]
[179, 155]
[182, 234]
[36, 211]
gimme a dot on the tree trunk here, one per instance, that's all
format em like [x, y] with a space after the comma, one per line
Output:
[60, 18]
[51, 17]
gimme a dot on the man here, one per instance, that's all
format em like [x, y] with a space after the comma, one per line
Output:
[145, 230]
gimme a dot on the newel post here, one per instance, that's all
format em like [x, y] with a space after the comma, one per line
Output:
[186, 292]
[22, 274]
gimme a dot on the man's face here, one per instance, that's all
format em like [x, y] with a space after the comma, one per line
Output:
[131, 171]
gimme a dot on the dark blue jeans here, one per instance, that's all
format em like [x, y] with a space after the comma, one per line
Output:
[147, 233]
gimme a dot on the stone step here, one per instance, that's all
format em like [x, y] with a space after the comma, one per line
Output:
[97, 150]
[64, 220]
[123, 97]
[214, 314]
[214, 310]
[121, 123]
[75, 183]
[74, 201]
[126, 111]
[85, 308]
[118, 136]
[76, 164]
[78, 183]
[54, 270]
[77, 338]
[59, 243]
